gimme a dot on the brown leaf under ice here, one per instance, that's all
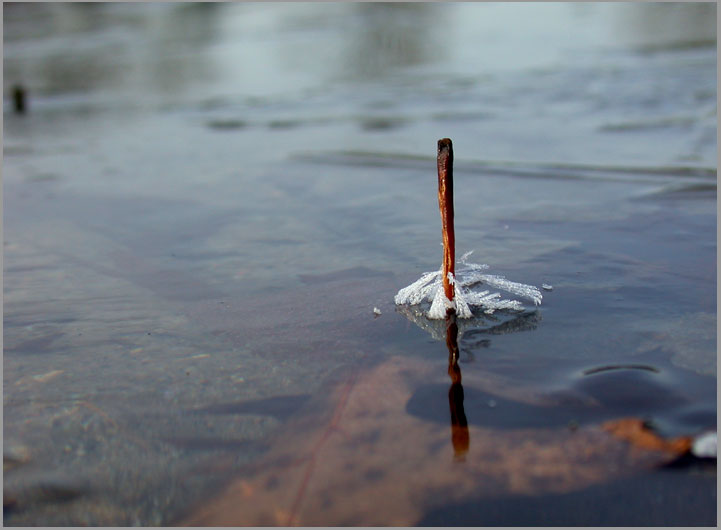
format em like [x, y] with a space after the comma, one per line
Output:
[368, 462]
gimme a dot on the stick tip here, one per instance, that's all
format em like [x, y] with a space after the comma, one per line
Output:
[445, 143]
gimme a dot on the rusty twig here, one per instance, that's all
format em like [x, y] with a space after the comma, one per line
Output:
[445, 203]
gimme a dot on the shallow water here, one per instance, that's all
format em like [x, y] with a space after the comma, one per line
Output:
[203, 204]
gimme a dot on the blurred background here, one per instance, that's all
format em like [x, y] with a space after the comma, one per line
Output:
[489, 74]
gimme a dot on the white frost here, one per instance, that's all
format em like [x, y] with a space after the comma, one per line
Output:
[429, 287]
[705, 446]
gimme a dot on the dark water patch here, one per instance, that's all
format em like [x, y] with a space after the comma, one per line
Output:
[342, 275]
[684, 122]
[678, 46]
[674, 401]
[39, 345]
[649, 254]
[366, 159]
[455, 117]
[646, 500]
[44, 177]
[16, 150]
[513, 168]
[279, 407]
[22, 320]
[226, 125]
[597, 394]
[32, 497]
[483, 409]
[692, 418]
[200, 255]
[284, 124]
[214, 103]
[27, 268]
[630, 392]
[700, 190]
[213, 444]
[381, 123]
[689, 463]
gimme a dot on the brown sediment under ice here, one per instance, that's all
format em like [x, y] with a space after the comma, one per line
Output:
[366, 461]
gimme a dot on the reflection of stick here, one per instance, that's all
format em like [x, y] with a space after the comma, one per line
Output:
[459, 424]
[19, 97]
[445, 203]
[452, 342]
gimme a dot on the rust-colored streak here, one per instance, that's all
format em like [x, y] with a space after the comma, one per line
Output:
[292, 518]
[445, 203]
[635, 432]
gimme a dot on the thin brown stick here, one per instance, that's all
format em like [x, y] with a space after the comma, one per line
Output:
[445, 203]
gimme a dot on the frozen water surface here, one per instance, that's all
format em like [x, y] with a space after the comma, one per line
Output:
[208, 210]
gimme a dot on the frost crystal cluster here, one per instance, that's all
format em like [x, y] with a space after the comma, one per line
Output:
[466, 282]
